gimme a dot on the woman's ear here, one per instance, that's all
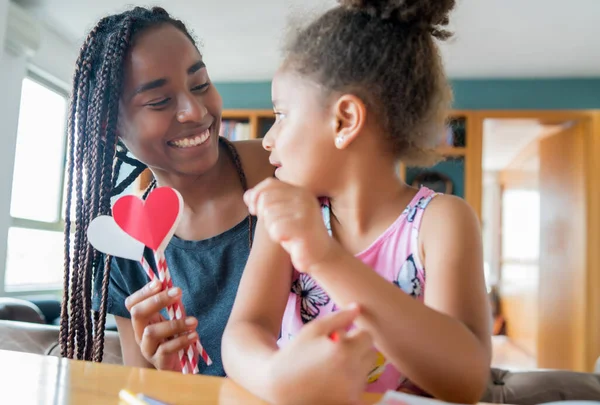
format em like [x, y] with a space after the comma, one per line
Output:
[351, 115]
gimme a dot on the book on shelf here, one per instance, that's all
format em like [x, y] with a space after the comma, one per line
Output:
[235, 130]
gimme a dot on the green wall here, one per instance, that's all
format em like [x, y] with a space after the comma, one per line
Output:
[494, 94]
[489, 94]
[453, 168]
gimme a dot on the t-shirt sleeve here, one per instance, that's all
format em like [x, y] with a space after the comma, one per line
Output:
[125, 278]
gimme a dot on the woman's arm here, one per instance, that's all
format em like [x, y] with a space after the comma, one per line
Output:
[132, 356]
[250, 338]
[444, 346]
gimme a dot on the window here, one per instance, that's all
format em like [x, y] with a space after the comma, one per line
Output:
[35, 238]
[521, 225]
[520, 239]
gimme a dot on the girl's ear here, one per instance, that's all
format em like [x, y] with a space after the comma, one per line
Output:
[351, 115]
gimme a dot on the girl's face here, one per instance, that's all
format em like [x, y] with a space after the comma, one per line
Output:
[170, 114]
[301, 141]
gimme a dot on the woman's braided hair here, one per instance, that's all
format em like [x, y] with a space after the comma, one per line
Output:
[95, 157]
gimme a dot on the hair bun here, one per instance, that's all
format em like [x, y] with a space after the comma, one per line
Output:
[160, 11]
[430, 14]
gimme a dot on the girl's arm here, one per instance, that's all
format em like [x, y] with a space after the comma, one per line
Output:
[250, 338]
[311, 368]
[444, 346]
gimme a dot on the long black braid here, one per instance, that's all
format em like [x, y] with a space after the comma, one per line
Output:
[94, 161]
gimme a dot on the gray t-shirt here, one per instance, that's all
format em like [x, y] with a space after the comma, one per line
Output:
[208, 273]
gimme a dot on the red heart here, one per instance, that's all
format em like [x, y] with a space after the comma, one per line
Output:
[153, 221]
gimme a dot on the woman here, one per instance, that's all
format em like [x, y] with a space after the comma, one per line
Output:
[141, 86]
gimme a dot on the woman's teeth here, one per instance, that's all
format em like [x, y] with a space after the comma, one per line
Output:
[191, 140]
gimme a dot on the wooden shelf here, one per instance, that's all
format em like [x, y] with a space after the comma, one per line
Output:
[452, 151]
[261, 119]
[253, 117]
[246, 114]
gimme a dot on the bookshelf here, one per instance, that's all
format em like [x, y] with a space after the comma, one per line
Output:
[459, 148]
[456, 148]
[253, 123]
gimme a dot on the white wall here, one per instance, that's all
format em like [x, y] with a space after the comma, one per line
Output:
[3, 12]
[11, 67]
[55, 60]
[10, 77]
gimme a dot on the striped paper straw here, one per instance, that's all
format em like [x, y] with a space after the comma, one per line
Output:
[161, 264]
[185, 367]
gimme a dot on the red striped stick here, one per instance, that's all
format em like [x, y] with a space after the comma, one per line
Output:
[185, 367]
[163, 268]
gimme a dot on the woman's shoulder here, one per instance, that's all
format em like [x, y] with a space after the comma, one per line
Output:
[255, 161]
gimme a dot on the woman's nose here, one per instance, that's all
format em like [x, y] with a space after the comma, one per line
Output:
[191, 110]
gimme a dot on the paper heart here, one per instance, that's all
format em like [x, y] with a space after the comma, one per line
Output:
[153, 221]
[107, 237]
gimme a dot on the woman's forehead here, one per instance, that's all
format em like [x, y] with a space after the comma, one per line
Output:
[161, 51]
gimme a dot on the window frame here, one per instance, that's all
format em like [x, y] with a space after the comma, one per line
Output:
[56, 226]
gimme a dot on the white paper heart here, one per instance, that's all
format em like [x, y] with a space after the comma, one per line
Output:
[107, 237]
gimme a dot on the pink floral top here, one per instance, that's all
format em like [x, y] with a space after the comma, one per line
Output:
[394, 255]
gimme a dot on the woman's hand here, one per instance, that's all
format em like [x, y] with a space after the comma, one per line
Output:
[160, 340]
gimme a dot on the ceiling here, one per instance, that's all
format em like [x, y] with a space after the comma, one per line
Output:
[494, 38]
[503, 139]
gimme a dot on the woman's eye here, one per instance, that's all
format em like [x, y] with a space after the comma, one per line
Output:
[160, 103]
[201, 87]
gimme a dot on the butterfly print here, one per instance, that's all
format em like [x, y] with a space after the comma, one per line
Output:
[408, 280]
[326, 213]
[312, 297]
[411, 211]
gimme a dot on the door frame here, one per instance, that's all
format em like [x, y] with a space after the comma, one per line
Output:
[590, 119]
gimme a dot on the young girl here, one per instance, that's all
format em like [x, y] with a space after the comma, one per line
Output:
[141, 86]
[376, 264]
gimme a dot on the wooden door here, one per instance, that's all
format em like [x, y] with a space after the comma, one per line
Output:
[563, 272]
[520, 235]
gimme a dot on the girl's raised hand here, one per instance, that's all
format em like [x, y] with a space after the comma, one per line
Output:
[292, 217]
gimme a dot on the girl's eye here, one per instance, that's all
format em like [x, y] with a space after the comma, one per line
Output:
[160, 103]
[279, 116]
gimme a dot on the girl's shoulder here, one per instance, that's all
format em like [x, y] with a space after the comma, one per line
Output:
[255, 161]
[450, 220]
[447, 203]
[448, 210]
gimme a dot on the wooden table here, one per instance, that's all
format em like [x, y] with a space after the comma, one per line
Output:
[33, 379]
